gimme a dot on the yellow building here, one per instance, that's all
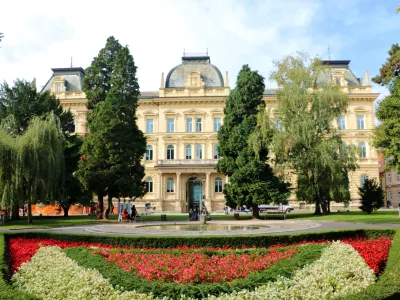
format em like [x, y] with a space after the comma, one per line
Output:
[181, 121]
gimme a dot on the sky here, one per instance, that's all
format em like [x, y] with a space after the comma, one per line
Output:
[40, 35]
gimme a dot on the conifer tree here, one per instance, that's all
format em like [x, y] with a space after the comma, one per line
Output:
[251, 179]
[113, 150]
[371, 195]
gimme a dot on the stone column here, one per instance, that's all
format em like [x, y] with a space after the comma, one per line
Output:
[159, 186]
[208, 196]
[178, 205]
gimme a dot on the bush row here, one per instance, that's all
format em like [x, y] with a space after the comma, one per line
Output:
[6, 292]
[209, 241]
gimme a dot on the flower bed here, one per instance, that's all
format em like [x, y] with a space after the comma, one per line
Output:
[305, 269]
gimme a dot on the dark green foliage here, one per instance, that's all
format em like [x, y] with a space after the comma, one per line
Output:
[6, 292]
[251, 179]
[371, 195]
[391, 69]
[308, 143]
[112, 153]
[130, 281]
[209, 241]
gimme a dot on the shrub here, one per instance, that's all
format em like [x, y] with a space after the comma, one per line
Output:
[371, 195]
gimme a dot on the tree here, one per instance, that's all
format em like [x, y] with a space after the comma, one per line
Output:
[371, 195]
[32, 164]
[387, 133]
[251, 179]
[307, 144]
[391, 69]
[112, 152]
[1, 36]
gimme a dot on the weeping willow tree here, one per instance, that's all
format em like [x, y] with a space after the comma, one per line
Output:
[32, 164]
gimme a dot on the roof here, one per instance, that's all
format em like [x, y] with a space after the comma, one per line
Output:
[73, 79]
[210, 74]
[349, 76]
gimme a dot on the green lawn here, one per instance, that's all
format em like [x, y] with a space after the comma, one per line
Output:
[59, 221]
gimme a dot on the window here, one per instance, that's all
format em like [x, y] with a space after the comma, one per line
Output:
[398, 177]
[216, 154]
[389, 178]
[149, 125]
[189, 125]
[170, 125]
[149, 152]
[170, 185]
[362, 150]
[341, 122]
[344, 147]
[398, 196]
[170, 152]
[188, 151]
[198, 124]
[199, 151]
[217, 124]
[360, 122]
[58, 87]
[218, 185]
[338, 81]
[149, 185]
[278, 124]
[390, 196]
[362, 180]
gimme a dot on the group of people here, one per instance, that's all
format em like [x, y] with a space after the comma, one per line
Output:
[129, 216]
[194, 213]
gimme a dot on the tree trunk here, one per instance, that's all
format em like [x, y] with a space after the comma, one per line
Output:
[30, 220]
[65, 209]
[107, 211]
[15, 212]
[317, 207]
[256, 214]
[100, 207]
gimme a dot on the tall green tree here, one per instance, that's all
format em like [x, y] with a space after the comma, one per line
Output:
[251, 179]
[308, 144]
[371, 194]
[112, 152]
[35, 165]
[387, 133]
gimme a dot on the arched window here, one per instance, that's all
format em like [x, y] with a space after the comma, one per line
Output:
[216, 154]
[188, 151]
[170, 185]
[149, 185]
[362, 150]
[199, 151]
[149, 152]
[218, 185]
[170, 152]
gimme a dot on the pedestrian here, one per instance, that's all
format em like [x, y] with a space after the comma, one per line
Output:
[133, 212]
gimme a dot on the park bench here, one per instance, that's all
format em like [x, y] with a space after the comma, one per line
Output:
[274, 210]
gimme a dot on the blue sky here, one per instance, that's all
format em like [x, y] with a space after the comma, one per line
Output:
[44, 34]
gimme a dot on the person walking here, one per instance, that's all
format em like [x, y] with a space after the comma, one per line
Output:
[133, 213]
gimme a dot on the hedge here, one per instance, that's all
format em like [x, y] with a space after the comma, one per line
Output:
[6, 292]
[238, 241]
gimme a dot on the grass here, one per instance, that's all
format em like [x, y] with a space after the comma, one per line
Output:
[383, 216]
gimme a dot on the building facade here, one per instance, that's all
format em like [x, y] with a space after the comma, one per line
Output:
[181, 121]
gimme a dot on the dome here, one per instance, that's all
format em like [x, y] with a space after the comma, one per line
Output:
[210, 74]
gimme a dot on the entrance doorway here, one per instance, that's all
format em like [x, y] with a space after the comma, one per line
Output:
[194, 192]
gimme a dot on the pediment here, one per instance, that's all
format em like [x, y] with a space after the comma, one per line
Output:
[150, 113]
[359, 109]
[194, 112]
[217, 111]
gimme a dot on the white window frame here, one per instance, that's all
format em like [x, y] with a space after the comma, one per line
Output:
[341, 122]
[189, 124]
[149, 152]
[149, 185]
[199, 125]
[362, 150]
[188, 150]
[217, 124]
[170, 152]
[389, 178]
[199, 151]
[360, 122]
[170, 125]
[170, 185]
[215, 152]
[148, 123]
[218, 186]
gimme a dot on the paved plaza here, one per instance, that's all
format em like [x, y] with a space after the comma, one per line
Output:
[249, 227]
